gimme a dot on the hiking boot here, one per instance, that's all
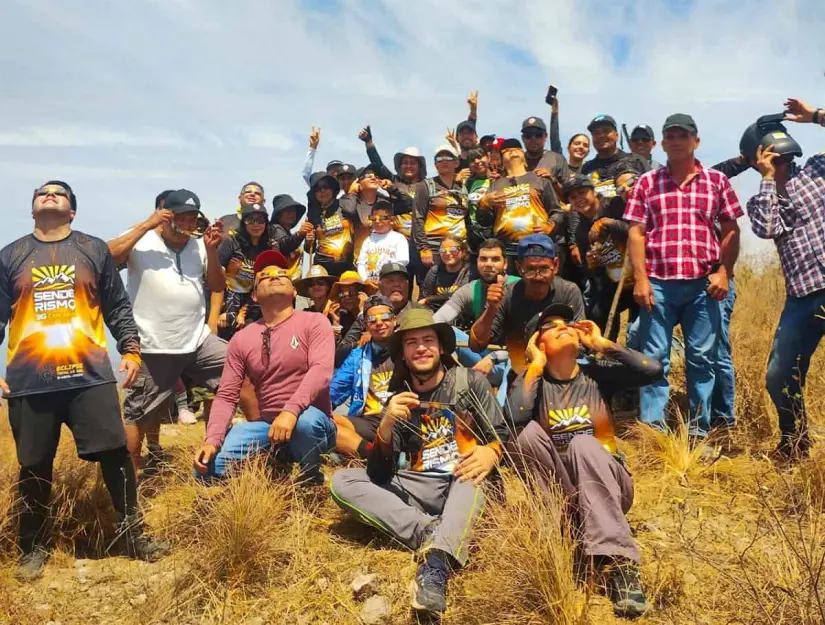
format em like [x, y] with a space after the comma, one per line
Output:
[134, 544]
[625, 589]
[30, 566]
[429, 589]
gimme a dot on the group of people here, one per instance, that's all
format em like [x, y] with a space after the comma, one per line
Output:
[448, 325]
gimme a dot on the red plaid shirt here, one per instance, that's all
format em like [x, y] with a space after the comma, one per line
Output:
[681, 240]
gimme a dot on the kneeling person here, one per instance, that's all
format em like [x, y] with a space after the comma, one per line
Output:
[567, 437]
[288, 356]
[451, 429]
[364, 380]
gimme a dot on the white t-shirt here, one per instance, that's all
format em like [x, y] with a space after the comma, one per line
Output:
[380, 249]
[168, 295]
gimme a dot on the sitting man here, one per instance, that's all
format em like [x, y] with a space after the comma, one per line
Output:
[567, 437]
[512, 309]
[287, 354]
[446, 421]
[466, 305]
[364, 380]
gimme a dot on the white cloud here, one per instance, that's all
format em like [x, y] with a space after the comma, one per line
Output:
[84, 136]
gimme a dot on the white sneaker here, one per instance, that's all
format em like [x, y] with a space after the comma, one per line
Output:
[187, 417]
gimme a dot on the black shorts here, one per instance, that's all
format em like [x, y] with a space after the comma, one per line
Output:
[367, 427]
[91, 413]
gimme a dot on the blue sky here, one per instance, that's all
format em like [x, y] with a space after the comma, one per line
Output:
[124, 98]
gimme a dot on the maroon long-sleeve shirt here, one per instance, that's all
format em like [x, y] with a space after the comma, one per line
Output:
[296, 375]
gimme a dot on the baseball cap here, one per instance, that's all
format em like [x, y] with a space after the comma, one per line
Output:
[602, 120]
[335, 164]
[347, 170]
[393, 267]
[182, 201]
[577, 181]
[643, 131]
[249, 209]
[268, 258]
[680, 120]
[533, 122]
[467, 124]
[564, 311]
[511, 143]
[446, 148]
[366, 169]
[536, 246]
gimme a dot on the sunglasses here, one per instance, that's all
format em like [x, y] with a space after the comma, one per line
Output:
[348, 292]
[44, 191]
[533, 134]
[256, 219]
[255, 190]
[444, 159]
[628, 184]
[449, 250]
[381, 317]
[377, 219]
[271, 272]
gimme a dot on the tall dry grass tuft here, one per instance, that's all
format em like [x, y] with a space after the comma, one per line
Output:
[671, 451]
[240, 531]
[522, 571]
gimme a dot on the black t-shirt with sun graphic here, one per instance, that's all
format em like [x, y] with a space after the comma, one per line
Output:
[569, 408]
[379, 389]
[55, 297]
[442, 429]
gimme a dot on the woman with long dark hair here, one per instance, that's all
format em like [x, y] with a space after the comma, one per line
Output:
[446, 276]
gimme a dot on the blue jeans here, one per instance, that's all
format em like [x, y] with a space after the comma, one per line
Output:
[796, 339]
[314, 434]
[686, 303]
[724, 388]
[468, 358]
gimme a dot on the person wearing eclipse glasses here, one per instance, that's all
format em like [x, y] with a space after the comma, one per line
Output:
[171, 258]
[58, 287]
[288, 356]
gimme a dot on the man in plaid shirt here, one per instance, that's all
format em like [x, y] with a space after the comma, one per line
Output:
[682, 266]
[790, 209]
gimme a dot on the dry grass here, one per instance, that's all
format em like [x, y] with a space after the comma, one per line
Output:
[736, 541]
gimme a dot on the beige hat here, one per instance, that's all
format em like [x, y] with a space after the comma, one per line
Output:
[316, 272]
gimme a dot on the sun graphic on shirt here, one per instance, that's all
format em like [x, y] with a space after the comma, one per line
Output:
[569, 418]
[372, 261]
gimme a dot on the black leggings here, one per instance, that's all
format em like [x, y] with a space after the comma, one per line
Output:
[35, 485]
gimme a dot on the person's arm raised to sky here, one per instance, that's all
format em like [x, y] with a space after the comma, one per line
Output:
[309, 162]
[555, 141]
[472, 103]
[120, 247]
[381, 170]
[228, 395]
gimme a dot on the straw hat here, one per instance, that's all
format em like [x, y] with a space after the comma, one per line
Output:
[316, 272]
[350, 278]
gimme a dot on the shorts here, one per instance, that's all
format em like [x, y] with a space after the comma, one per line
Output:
[92, 414]
[149, 400]
[366, 426]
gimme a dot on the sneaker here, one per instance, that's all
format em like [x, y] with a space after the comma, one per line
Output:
[429, 589]
[625, 589]
[187, 417]
[30, 566]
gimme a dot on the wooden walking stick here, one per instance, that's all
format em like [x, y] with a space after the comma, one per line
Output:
[616, 296]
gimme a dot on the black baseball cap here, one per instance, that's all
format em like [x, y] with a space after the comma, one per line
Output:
[602, 120]
[534, 122]
[393, 267]
[642, 131]
[565, 311]
[250, 209]
[511, 143]
[578, 181]
[680, 120]
[182, 201]
[366, 169]
[347, 170]
[333, 164]
[467, 124]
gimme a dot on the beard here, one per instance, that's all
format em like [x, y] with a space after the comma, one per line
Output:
[424, 373]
